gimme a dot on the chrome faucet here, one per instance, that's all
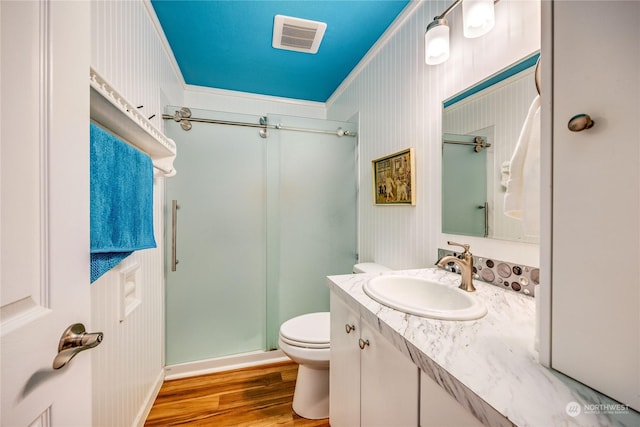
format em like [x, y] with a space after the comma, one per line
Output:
[465, 263]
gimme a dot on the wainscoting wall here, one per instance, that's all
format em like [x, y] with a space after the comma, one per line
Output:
[128, 367]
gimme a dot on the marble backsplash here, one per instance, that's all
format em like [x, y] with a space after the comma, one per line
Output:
[516, 277]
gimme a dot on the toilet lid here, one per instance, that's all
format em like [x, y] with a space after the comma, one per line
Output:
[313, 328]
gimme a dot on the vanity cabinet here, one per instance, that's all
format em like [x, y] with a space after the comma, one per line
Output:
[372, 383]
[595, 244]
[439, 409]
[344, 367]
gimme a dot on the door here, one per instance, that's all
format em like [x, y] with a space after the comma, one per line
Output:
[44, 210]
[344, 393]
[596, 197]
[383, 365]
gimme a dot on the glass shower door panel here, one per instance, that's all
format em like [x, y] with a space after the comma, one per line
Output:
[317, 212]
[215, 300]
[464, 190]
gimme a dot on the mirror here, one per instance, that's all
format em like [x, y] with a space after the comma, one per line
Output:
[482, 129]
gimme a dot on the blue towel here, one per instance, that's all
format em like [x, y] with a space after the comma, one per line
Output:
[121, 201]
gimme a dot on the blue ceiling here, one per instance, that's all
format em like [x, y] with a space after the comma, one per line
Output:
[226, 44]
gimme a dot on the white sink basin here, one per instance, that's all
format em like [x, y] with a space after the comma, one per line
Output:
[424, 298]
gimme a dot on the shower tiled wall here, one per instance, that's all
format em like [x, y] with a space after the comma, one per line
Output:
[515, 277]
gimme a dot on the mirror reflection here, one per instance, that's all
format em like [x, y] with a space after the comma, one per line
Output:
[490, 157]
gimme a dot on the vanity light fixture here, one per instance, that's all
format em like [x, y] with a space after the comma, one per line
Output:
[478, 18]
[436, 42]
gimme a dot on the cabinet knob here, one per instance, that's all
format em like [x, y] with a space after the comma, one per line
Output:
[363, 343]
[349, 328]
[580, 122]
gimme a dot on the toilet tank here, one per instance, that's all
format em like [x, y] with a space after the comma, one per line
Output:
[369, 267]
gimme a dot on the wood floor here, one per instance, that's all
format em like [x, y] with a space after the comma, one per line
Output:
[258, 397]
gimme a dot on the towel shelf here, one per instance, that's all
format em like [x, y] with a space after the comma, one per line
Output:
[113, 112]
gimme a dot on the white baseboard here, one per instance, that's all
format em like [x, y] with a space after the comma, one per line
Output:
[151, 398]
[227, 363]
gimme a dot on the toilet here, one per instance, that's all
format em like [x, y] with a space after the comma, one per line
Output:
[305, 339]
[370, 267]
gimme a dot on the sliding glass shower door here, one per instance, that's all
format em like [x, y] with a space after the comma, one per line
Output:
[312, 215]
[216, 297]
[464, 187]
[260, 223]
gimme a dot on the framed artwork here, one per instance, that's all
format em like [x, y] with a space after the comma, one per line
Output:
[394, 179]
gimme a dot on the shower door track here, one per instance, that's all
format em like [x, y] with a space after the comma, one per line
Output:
[183, 116]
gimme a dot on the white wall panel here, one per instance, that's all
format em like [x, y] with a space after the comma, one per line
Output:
[128, 366]
[399, 101]
[128, 52]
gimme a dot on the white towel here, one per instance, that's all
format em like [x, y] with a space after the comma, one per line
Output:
[522, 198]
[504, 173]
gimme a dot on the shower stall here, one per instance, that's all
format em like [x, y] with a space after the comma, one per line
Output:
[261, 211]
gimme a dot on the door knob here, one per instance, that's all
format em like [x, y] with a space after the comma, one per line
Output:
[580, 122]
[74, 340]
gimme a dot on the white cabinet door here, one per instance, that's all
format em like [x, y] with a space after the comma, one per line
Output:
[439, 409]
[44, 210]
[375, 385]
[596, 196]
[344, 394]
[388, 384]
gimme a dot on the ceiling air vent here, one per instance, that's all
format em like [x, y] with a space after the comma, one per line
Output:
[300, 35]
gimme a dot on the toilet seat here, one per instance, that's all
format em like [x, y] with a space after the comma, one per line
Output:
[311, 330]
[303, 344]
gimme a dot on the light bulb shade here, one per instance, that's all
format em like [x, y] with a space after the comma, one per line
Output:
[436, 42]
[478, 17]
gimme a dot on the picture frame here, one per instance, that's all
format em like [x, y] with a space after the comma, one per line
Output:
[394, 179]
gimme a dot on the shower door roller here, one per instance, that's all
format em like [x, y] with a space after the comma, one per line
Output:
[74, 340]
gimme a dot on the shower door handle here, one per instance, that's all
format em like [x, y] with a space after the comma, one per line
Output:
[486, 217]
[174, 233]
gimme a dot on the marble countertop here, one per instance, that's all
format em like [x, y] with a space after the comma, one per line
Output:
[489, 365]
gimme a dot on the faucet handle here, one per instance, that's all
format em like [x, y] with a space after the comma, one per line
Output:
[464, 246]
